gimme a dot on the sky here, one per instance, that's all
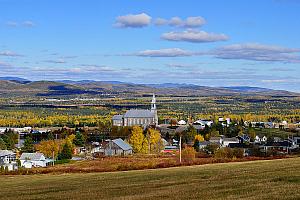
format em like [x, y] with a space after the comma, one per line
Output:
[208, 42]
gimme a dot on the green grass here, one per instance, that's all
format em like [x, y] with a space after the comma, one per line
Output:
[273, 179]
[273, 132]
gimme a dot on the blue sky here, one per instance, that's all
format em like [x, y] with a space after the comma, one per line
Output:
[214, 43]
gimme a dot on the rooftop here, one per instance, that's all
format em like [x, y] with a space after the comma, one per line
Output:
[32, 156]
[117, 117]
[6, 152]
[134, 113]
[123, 145]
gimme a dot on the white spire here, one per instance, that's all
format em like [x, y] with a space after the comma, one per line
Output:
[153, 109]
[153, 103]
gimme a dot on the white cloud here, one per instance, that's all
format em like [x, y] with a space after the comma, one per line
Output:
[190, 22]
[194, 22]
[194, 36]
[28, 23]
[173, 52]
[59, 61]
[9, 54]
[258, 52]
[176, 21]
[180, 66]
[12, 24]
[274, 81]
[4, 65]
[160, 22]
[133, 21]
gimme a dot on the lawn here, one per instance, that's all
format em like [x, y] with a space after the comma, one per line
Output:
[271, 179]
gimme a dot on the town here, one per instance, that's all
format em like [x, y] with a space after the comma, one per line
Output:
[138, 132]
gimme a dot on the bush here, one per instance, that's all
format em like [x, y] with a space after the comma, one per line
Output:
[224, 153]
[188, 154]
[238, 153]
[227, 152]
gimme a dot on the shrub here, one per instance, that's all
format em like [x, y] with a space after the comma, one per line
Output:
[224, 153]
[238, 153]
[188, 154]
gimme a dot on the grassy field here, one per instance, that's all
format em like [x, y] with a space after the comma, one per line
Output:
[273, 179]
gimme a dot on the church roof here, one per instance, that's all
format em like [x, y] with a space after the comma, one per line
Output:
[139, 114]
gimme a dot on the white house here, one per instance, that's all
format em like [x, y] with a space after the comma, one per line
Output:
[216, 140]
[259, 139]
[203, 122]
[182, 122]
[29, 160]
[8, 159]
[227, 141]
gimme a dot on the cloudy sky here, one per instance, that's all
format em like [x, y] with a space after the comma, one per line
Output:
[212, 42]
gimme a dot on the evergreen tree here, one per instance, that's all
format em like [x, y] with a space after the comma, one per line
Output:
[79, 139]
[197, 145]
[66, 152]
[28, 145]
[2, 144]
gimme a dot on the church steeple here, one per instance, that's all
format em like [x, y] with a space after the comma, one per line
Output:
[154, 110]
[153, 103]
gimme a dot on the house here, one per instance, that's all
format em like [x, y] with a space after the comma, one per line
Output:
[8, 159]
[281, 147]
[117, 147]
[181, 123]
[203, 122]
[203, 144]
[244, 138]
[216, 140]
[297, 140]
[117, 120]
[29, 160]
[171, 149]
[137, 117]
[227, 141]
[98, 148]
[260, 139]
[245, 147]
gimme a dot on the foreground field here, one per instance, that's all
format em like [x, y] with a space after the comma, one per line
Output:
[273, 179]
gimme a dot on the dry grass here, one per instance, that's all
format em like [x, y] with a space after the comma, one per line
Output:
[111, 164]
[273, 179]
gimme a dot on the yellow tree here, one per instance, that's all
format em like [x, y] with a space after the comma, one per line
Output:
[155, 141]
[137, 139]
[200, 138]
[49, 148]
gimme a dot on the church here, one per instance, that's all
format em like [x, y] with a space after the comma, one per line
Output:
[138, 117]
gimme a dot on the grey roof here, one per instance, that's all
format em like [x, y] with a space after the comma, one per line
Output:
[123, 145]
[139, 114]
[6, 153]
[32, 156]
[233, 139]
[117, 117]
[215, 138]
[204, 143]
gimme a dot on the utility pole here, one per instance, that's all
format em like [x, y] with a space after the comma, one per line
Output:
[53, 157]
[180, 149]
[149, 147]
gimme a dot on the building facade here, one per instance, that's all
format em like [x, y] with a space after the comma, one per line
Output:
[138, 117]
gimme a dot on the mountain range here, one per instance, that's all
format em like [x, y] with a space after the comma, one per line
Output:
[15, 86]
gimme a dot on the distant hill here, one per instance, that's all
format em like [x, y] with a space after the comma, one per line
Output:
[14, 86]
[248, 89]
[14, 79]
